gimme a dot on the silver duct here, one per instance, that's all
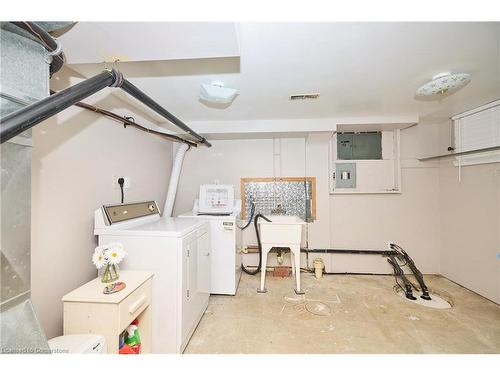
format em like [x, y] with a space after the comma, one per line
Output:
[24, 79]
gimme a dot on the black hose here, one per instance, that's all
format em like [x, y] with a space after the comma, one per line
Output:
[256, 224]
[416, 272]
[48, 42]
[252, 212]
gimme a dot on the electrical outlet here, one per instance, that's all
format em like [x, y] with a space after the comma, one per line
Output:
[126, 184]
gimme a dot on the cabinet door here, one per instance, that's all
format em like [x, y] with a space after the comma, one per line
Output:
[204, 255]
[197, 276]
[192, 265]
[189, 268]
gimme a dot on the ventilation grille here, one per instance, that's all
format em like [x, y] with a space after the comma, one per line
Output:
[304, 96]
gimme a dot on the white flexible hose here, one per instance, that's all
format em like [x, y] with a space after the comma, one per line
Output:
[174, 180]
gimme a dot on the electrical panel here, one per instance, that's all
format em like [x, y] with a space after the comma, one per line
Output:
[359, 146]
[365, 162]
[345, 175]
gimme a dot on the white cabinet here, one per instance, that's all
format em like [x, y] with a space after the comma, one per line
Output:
[88, 310]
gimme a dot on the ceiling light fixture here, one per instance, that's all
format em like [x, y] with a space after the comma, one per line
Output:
[215, 92]
[443, 83]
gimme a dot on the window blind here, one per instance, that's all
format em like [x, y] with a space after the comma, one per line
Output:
[478, 130]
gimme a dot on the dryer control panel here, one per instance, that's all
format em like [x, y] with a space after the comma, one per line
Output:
[121, 212]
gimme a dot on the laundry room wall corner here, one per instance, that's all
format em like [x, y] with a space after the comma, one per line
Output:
[75, 156]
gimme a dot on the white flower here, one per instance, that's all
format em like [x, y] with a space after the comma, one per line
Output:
[114, 253]
[98, 258]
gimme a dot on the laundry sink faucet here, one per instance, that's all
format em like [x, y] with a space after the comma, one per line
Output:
[278, 210]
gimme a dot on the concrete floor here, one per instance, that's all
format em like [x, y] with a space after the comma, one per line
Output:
[366, 316]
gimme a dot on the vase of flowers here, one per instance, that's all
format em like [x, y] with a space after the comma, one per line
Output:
[108, 256]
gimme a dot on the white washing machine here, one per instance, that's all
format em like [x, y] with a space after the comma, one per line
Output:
[177, 251]
[225, 238]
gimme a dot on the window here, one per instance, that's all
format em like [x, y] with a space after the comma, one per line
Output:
[477, 129]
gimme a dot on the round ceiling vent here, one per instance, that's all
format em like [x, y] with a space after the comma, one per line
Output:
[443, 83]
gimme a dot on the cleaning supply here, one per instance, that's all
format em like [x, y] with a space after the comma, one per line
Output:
[125, 349]
[133, 339]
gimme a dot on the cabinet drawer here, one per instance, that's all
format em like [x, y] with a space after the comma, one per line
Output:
[134, 304]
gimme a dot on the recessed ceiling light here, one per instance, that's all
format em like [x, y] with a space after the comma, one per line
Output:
[443, 83]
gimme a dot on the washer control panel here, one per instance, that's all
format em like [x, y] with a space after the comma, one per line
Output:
[216, 199]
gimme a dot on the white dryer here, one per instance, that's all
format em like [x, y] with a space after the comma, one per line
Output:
[177, 251]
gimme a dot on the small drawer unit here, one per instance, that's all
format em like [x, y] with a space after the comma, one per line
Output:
[88, 310]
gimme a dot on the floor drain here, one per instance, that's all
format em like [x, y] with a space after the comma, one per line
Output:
[436, 302]
[318, 308]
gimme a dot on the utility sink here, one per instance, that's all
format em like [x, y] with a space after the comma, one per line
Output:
[282, 230]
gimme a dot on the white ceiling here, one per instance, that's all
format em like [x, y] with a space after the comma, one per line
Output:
[360, 69]
[90, 42]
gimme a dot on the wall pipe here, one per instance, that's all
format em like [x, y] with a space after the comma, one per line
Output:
[174, 180]
[349, 251]
[25, 118]
[127, 121]
[336, 251]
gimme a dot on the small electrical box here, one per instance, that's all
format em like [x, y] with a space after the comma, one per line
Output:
[345, 175]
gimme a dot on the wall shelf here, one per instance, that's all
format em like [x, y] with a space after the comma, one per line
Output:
[486, 149]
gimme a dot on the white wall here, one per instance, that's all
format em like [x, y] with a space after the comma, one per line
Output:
[411, 219]
[352, 221]
[75, 156]
[470, 225]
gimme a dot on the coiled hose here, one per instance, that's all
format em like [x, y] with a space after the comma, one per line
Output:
[256, 225]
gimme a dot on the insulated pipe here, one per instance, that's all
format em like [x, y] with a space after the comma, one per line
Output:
[174, 180]
[143, 98]
[25, 118]
[350, 251]
[49, 42]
